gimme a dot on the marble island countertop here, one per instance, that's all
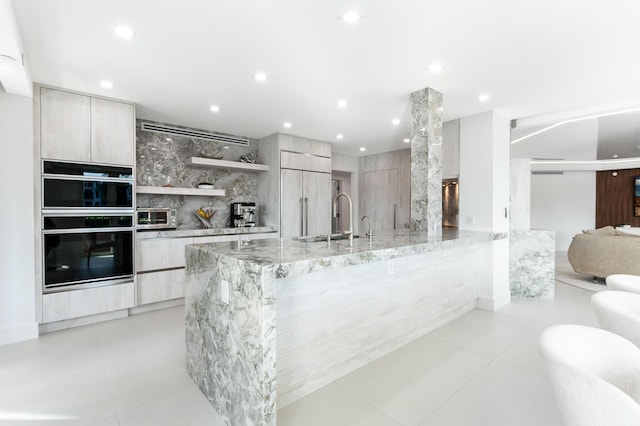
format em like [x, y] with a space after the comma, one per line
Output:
[200, 232]
[309, 256]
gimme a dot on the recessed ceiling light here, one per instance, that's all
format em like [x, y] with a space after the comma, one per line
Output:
[124, 32]
[351, 17]
[106, 84]
[363, 149]
[484, 97]
[214, 108]
[287, 124]
[260, 76]
[225, 147]
[435, 68]
[342, 103]
[395, 121]
[406, 140]
[339, 136]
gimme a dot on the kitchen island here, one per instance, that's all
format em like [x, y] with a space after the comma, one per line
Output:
[270, 321]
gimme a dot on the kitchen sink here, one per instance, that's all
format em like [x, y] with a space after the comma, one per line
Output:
[318, 238]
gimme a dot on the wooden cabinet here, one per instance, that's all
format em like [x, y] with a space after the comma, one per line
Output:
[306, 203]
[379, 199]
[112, 132]
[91, 301]
[77, 127]
[160, 273]
[65, 125]
[294, 195]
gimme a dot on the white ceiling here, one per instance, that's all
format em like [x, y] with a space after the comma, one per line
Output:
[533, 57]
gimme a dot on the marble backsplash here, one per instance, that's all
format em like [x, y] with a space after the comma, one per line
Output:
[160, 161]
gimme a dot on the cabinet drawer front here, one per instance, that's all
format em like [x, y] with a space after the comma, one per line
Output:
[297, 161]
[160, 253]
[91, 301]
[160, 286]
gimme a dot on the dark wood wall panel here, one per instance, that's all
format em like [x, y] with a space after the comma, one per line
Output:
[615, 198]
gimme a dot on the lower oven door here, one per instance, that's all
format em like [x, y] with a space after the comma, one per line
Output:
[85, 251]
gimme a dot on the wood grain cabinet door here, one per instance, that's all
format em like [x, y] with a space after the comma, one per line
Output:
[316, 189]
[292, 203]
[65, 125]
[112, 132]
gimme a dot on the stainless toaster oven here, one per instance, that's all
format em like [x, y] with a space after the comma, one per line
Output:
[156, 218]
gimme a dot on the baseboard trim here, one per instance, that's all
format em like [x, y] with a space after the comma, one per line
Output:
[156, 306]
[494, 304]
[18, 333]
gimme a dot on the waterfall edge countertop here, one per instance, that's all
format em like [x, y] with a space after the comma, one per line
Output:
[235, 290]
[338, 253]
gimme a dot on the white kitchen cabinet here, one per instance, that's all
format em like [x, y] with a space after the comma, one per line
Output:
[160, 274]
[379, 198]
[160, 253]
[306, 203]
[65, 125]
[112, 132]
[90, 301]
[82, 128]
[159, 286]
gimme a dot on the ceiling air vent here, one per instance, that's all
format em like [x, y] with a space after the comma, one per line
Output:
[196, 134]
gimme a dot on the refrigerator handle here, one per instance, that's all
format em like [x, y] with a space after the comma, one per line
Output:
[306, 216]
[301, 217]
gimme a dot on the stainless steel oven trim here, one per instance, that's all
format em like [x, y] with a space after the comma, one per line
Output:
[79, 285]
[86, 230]
[87, 178]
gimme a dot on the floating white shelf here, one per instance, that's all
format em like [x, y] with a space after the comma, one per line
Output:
[224, 164]
[162, 190]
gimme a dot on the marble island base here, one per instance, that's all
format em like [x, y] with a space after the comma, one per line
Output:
[301, 315]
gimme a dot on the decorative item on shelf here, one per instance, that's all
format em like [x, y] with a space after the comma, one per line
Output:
[205, 185]
[167, 181]
[205, 214]
[247, 158]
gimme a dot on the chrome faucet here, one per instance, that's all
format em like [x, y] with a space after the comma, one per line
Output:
[369, 231]
[335, 214]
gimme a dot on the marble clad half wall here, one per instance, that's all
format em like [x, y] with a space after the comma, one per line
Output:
[426, 161]
[160, 162]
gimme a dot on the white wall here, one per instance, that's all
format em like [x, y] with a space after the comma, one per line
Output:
[565, 203]
[484, 195]
[17, 281]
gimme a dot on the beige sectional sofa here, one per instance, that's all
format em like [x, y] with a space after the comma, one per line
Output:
[605, 251]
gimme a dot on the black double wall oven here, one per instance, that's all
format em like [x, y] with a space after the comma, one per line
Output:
[88, 225]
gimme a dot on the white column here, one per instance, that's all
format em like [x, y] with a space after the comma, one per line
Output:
[484, 199]
[17, 280]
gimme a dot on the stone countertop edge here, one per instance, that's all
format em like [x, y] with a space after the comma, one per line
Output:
[200, 232]
[290, 257]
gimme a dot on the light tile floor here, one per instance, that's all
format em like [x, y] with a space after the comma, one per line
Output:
[481, 369]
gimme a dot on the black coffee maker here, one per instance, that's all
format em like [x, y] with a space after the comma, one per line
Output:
[243, 215]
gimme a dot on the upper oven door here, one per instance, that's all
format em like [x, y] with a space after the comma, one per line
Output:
[86, 186]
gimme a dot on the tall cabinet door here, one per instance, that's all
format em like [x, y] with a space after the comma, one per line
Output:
[291, 224]
[386, 199]
[65, 125]
[368, 198]
[112, 132]
[316, 189]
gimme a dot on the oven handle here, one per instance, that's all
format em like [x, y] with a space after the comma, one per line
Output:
[87, 230]
[88, 178]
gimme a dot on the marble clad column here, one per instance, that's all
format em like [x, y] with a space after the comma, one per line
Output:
[426, 155]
